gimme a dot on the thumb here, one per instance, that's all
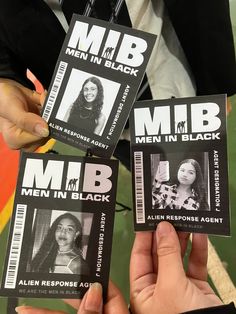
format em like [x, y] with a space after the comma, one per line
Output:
[34, 310]
[92, 301]
[169, 255]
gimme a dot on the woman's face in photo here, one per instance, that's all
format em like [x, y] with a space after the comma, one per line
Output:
[186, 174]
[90, 91]
[66, 233]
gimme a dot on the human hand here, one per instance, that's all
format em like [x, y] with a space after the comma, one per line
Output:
[90, 304]
[158, 281]
[20, 122]
[25, 309]
[92, 301]
[33, 310]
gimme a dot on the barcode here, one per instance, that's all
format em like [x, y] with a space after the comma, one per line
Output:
[139, 187]
[54, 90]
[15, 250]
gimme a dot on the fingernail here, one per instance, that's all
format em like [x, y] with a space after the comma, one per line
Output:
[18, 308]
[21, 308]
[164, 228]
[41, 131]
[93, 301]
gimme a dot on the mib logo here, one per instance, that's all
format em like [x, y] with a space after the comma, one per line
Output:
[199, 117]
[106, 44]
[58, 175]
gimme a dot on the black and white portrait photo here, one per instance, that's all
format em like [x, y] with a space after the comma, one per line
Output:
[87, 101]
[180, 181]
[60, 242]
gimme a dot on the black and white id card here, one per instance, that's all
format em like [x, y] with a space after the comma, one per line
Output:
[61, 230]
[96, 78]
[179, 164]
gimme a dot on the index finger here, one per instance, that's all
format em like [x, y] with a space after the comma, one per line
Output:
[197, 265]
[141, 255]
[14, 107]
[183, 241]
[15, 93]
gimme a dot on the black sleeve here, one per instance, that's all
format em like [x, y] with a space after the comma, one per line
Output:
[223, 309]
[11, 67]
[205, 33]
[30, 38]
